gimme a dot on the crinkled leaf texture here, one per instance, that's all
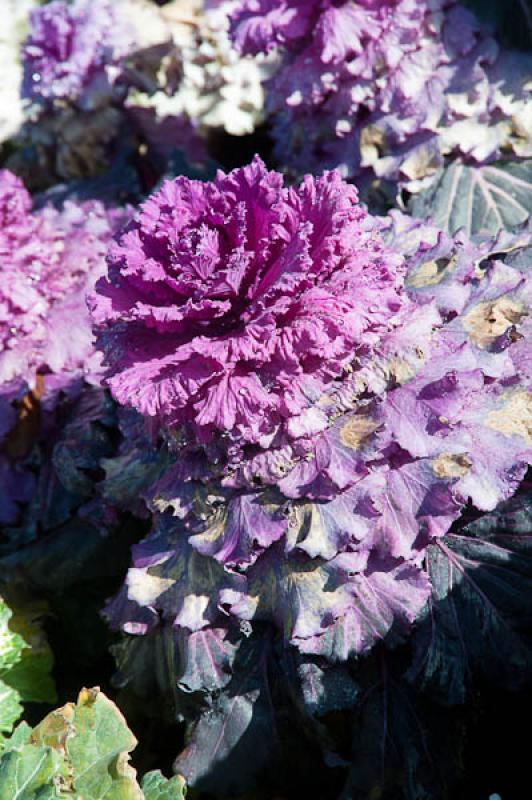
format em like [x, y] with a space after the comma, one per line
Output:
[344, 537]
[387, 91]
[478, 199]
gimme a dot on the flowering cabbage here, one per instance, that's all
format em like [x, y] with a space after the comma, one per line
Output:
[387, 89]
[333, 390]
[100, 77]
[333, 404]
[202, 77]
[258, 295]
[73, 50]
[48, 260]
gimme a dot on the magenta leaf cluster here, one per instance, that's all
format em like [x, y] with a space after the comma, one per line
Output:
[73, 50]
[279, 442]
[230, 306]
[49, 259]
[386, 89]
[334, 388]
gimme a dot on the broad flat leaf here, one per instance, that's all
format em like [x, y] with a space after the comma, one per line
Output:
[25, 663]
[10, 708]
[520, 258]
[334, 609]
[79, 751]
[28, 773]
[205, 659]
[481, 604]
[31, 676]
[511, 517]
[483, 199]
[156, 787]
[402, 746]
[384, 605]
[96, 743]
[234, 737]
[92, 742]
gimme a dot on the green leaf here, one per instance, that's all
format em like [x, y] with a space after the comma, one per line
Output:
[11, 648]
[94, 741]
[10, 708]
[30, 773]
[483, 199]
[25, 662]
[11, 643]
[31, 675]
[156, 787]
[19, 737]
[80, 751]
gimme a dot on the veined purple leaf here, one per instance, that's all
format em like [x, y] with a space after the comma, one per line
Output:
[399, 740]
[206, 658]
[239, 534]
[480, 606]
[384, 603]
[235, 735]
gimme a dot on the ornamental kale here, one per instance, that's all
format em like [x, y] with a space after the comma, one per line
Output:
[269, 446]
[102, 79]
[229, 306]
[48, 259]
[387, 89]
[73, 50]
[332, 390]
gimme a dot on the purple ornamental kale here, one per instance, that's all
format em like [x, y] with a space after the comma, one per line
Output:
[74, 50]
[229, 306]
[334, 390]
[48, 259]
[385, 88]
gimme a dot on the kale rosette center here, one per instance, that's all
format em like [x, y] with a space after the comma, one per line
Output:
[231, 306]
